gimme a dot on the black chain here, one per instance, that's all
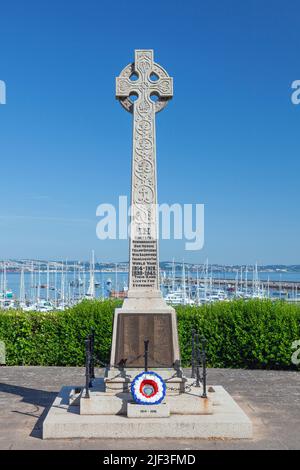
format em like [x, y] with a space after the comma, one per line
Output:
[198, 359]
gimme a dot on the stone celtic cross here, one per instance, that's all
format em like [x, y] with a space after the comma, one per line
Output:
[143, 88]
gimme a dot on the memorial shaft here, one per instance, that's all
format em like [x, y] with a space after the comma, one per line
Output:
[144, 80]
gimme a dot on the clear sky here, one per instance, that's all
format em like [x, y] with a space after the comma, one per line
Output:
[228, 139]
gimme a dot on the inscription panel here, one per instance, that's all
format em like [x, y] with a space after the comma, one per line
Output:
[133, 329]
[144, 263]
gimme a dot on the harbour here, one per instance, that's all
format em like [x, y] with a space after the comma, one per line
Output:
[47, 286]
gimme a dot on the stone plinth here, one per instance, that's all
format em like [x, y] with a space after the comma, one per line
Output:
[103, 403]
[140, 319]
[227, 421]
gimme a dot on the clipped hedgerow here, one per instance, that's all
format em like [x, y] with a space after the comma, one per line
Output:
[240, 334]
[256, 334]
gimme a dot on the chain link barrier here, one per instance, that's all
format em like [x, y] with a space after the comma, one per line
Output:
[198, 361]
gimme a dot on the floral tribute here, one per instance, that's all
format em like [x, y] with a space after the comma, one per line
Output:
[148, 388]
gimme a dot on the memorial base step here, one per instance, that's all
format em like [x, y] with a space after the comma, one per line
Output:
[227, 419]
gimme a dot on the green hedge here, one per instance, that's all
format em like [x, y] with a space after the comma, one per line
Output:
[245, 334]
[256, 334]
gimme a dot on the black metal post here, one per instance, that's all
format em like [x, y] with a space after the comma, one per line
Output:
[92, 362]
[87, 367]
[193, 354]
[203, 341]
[146, 345]
[197, 347]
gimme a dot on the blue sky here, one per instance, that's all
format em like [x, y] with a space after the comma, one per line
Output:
[228, 139]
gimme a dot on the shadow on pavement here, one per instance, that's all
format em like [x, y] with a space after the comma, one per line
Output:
[38, 398]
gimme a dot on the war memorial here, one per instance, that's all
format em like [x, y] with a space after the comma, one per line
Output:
[144, 392]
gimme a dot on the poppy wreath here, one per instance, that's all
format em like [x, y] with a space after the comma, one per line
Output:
[148, 388]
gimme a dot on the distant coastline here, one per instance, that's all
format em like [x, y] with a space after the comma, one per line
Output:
[15, 265]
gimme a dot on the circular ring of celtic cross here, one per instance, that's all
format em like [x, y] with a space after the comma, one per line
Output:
[159, 72]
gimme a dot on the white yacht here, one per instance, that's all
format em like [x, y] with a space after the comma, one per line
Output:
[6, 304]
[178, 298]
[40, 306]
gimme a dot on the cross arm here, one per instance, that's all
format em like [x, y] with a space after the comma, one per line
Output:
[124, 87]
[163, 87]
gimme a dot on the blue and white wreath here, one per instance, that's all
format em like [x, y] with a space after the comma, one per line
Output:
[148, 388]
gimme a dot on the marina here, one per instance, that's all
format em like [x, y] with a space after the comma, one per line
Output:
[56, 286]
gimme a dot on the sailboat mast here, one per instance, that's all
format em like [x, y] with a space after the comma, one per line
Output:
[48, 281]
[173, 275]
[22, 287]
[62, 289]
[39, 284]
[197, 284]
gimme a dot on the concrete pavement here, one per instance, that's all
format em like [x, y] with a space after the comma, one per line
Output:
[271, 399]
